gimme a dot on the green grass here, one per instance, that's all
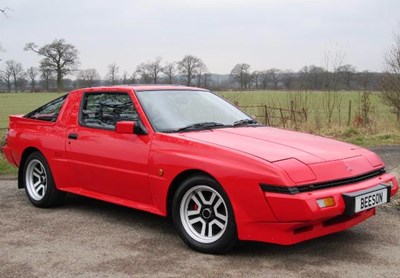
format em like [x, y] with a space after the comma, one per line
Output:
[384, 129]
[313, 101]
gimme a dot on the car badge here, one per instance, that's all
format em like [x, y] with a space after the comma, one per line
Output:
[348, 168]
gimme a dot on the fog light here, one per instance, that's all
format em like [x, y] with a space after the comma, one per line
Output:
[326, 202]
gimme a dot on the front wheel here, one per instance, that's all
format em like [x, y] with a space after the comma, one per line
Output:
[39, 183]
[203, 215]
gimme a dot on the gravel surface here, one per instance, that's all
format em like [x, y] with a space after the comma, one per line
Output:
[90, 238]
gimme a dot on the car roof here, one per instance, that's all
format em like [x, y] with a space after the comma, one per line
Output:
[153, 87]
[146, 87]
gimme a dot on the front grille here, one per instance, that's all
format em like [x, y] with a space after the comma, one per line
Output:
[321, 185]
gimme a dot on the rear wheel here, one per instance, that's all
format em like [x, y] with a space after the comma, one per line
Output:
[38, 182]
[203, 216]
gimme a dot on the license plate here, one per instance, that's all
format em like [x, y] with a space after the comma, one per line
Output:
[366, 199]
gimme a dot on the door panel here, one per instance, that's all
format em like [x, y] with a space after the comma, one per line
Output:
[105, 161]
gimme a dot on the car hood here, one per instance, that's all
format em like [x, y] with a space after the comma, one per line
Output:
[273, 144]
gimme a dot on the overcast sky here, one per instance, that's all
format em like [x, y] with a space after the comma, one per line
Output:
[286, 34]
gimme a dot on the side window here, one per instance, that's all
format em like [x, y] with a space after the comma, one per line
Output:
[48, 112]
[104, 110]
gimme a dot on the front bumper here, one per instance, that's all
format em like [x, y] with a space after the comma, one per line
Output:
[295, 232]
[300, 218]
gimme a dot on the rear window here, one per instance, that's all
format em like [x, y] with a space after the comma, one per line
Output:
[48, 112]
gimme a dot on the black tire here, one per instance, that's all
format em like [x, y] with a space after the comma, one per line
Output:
[39, 183]
[190, 215]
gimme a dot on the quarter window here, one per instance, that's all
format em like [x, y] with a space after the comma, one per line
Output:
[104, 110]
[49, 111]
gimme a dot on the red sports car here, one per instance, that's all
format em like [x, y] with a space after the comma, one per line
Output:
[186, 153]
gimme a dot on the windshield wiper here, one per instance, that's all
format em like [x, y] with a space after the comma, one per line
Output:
[246, 122]
[197, 126]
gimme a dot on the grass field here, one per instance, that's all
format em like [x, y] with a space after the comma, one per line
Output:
[382, 130]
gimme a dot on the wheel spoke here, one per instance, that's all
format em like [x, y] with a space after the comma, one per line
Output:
[37, 184]
[217, 214]
[212, 198]
[203, 200]
[36, 175]
[203, 228]
[198, 203]
[40, 188]
[38, 170]
[220, 216]
[216, 222]
[195, 220]
[194, 212]
[210, 229]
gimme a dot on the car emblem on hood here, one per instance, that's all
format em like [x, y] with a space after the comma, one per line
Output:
[348, 168]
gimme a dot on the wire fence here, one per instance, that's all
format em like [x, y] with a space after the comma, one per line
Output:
[275, 116]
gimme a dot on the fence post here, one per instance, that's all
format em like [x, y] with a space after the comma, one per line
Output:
[305, 114]
[349, 115]
[266, 120]
[282, 117]
[292, 110]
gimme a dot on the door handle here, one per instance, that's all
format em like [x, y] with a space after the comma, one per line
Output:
[73, 136]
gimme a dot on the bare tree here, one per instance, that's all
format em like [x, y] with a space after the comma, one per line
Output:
[6, 76]
[346, 75]
[256, 76]
[32, 73]
[331, 99]
[288, 79]
[155, 69]
[263, 79]
[273, 76]
[169, 71]
[46, 74]
[16, 70]
[142, 71]
[241, 74]
[5, 10]
[112, 73]
[133, 78]
[125, 78]
[312, 78]
[206, 79]
[390, 82]
[59, 56]
[189, 67]
[150, 72]
[88, 77]
[364, 80]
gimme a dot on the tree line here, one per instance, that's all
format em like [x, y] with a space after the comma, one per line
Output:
[61, 59]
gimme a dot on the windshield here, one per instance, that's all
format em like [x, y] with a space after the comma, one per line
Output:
[174, 111]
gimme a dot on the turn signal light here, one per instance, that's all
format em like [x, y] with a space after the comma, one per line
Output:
[326, 202]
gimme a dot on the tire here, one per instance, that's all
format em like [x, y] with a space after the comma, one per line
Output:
[39, 183]
[203, 217]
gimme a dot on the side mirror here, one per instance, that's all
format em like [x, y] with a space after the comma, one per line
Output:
[125, 127]
[130, 127]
